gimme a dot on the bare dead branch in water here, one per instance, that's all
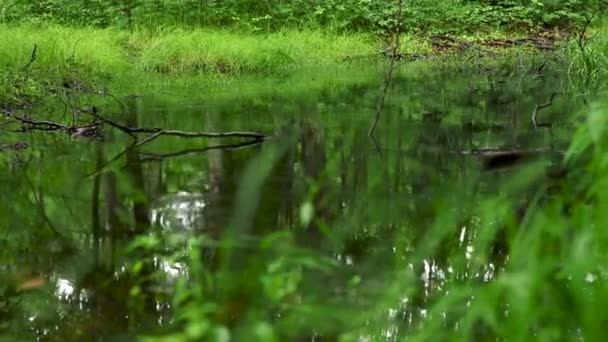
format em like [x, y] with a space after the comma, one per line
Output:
[389, 75]
[188, 134]
[147, 139]
[228, 147]
[40, 125]
[493, 152]
[495, 158]
[537, 107]
[171, 132]
[91, 130]
[14, 147]
[94, 112]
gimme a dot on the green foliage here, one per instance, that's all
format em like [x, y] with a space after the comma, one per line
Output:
[342, 15]
[587, 54]
[515, 254]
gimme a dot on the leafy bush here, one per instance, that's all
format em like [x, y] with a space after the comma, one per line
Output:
[343, 15]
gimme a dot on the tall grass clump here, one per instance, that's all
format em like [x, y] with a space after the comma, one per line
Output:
[212, 51]
[38, 62]
[588, 56]
[60, 49]
[40, 58]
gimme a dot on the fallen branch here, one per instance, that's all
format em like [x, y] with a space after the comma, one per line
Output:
[40, 125]
[497, 152]
[146, 156]
[14, 147]
[157, 132]
[188, 134]
[537, 107]
[88, 131]
[492, 158]
[464, 44]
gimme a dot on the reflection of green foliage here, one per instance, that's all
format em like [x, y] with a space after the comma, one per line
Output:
[352, 269]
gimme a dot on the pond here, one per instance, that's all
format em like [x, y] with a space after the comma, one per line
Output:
[98, 232]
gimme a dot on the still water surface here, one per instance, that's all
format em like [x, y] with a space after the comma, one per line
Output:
[72, 206]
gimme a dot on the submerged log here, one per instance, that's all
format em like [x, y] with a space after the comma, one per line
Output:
[492, 158]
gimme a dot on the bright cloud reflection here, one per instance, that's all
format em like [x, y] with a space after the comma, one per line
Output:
[179, 211]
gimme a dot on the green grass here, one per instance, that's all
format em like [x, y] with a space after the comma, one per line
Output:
[202, 50]
[90, 57]
[551, 287]
[589, 58]
[211, 51]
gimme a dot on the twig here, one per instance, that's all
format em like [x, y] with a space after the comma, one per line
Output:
[389, 74]
[188, 134]
[183, 134]
[89, 130]
[38, 197]
[494, 152]
[148, 139]
[465, 44]
[118, 126]
[52, 125]
[100, 168]
[230, 147]
[537, 107]
[32, 58]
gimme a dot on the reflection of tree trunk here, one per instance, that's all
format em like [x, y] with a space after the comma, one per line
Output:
[215, 189]
[286, 205]
[112, 223]
[313, 161]
[95, 220]
[140, 205]
[215, 159]
[359, 165]
[134, 168]
[514, 118]
[109, 305]
[313, 152]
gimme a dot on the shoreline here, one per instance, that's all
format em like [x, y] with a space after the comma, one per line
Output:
[45, 61]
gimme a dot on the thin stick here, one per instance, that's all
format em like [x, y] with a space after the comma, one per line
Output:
[465, 44]
[389, 74]
[188, 134]
[148, 139]
[231, 147]
[183, 134]
[51, 125]
[537, 107]
[32, 58]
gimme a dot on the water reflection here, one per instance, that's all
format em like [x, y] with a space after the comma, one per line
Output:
[181, 211]
[372, 206]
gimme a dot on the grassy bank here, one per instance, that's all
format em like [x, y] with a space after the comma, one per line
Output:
[43, 61]
[588, 57]
[84, 58]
